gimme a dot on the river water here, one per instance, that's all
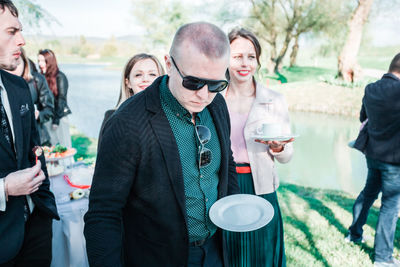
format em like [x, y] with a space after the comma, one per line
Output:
[322, 158]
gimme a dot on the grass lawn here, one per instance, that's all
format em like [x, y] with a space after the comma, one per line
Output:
[298, 73]
[316, 222]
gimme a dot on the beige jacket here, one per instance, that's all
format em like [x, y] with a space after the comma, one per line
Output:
[269, 106]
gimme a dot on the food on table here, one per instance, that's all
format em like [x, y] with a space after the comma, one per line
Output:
[77, 194]
[58, 151]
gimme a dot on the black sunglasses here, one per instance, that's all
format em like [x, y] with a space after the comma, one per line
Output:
[204, 136]
[195, 83]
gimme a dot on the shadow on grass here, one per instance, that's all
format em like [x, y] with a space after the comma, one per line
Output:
[312, 249]
[316, 199]
[312, 197]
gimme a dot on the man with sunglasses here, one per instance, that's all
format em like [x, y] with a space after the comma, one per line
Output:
[164, 159]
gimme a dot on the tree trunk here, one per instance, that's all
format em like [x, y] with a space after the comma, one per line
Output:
[283, 51]
[272, 58]
[295, 49]
[347, 61]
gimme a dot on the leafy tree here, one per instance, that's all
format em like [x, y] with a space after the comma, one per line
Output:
[32, 14]
[166, 17]
[281, 22]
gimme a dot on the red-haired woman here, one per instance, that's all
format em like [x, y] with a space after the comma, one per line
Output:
[58, 83]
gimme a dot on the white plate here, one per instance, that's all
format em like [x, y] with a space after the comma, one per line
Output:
[241, 213]
[275, 138]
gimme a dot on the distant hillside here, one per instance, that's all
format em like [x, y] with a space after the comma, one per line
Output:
[84, 47]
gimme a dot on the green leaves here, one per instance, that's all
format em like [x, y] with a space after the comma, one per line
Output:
[32, 14]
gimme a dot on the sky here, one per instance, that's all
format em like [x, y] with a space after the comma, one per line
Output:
[97, 18]
[100, 18]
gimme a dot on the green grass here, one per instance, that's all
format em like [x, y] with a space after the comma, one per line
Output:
[316, 222]
[86, 147]
[299, 73]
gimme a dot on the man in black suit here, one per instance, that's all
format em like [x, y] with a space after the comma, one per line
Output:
[164, 159]
[27, 207]
[379, 140]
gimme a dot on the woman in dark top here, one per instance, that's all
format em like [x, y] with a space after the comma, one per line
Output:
[42, 97]
[58, 83]
[139, 72]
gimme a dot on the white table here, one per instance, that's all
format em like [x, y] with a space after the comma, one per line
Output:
[69, 245]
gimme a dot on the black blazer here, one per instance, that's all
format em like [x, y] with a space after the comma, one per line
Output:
[107, 115]
[44, 100]
[380, 138]
[138, 178]
[61, 107]
[12, 225]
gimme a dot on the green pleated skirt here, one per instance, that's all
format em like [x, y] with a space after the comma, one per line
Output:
[260, 248]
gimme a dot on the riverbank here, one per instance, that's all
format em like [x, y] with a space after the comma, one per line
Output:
[321, 97]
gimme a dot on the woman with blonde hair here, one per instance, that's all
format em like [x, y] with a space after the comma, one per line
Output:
[139, 72]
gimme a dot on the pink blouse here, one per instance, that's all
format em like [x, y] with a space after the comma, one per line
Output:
[238, 122]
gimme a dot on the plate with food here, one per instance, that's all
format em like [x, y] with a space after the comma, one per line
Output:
[58, 152]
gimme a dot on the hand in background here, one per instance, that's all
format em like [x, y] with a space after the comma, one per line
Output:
[275, 146]
[24, 182]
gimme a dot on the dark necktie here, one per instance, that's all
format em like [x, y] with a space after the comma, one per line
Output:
[5, 125]
[5, 129]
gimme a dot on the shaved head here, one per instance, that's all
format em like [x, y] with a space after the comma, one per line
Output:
[207, 38]
[395, 64]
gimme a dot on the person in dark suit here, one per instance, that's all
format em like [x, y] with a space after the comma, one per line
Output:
[379, 140]
[27, 207]
[164, 159]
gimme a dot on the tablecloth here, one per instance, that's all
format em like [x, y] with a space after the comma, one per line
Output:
[69, 246]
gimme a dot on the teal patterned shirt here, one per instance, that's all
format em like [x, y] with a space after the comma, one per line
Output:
[201, 185]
